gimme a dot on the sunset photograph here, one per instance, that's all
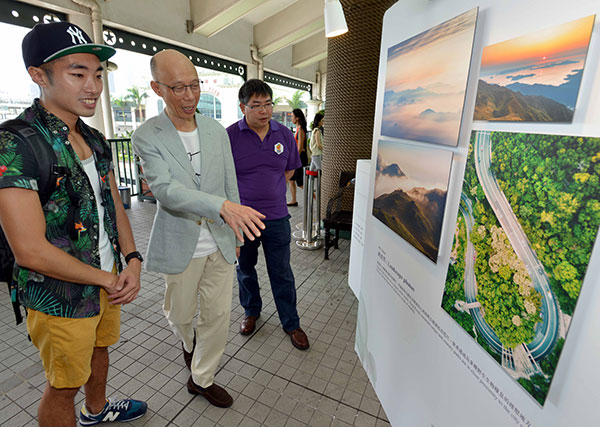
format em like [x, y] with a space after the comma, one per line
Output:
[425, 83]
[535, 77]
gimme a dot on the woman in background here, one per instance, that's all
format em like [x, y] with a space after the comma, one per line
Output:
[316, 142]
[297, 180]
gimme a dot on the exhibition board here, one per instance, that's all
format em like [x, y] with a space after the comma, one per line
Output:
[359, 220]
[481, 310]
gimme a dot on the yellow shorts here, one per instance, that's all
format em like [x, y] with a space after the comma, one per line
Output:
[66, 345]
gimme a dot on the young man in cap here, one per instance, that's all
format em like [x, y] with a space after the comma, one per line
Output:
[67, 251]
[265, 157]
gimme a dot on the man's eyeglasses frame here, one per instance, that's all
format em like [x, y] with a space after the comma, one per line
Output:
[259, 107]
[179, 90]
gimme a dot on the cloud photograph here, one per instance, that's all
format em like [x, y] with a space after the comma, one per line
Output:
[426, 78]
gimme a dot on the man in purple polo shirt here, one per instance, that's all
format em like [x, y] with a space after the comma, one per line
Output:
[265, 157]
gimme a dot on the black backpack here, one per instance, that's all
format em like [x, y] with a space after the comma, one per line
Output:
[48, 168]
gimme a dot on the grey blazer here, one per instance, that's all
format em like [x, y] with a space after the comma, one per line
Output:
[184, 200]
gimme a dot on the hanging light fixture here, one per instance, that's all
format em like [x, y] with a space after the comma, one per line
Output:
[335, 21]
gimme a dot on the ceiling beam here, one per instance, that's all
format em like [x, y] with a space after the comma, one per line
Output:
[211, 16]
[292, 25]
[309, 51]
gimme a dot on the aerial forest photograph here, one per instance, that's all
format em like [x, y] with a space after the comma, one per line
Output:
[528, 218]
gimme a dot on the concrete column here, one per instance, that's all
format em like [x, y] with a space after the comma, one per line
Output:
[351, 86]
[313, 107]
[258, 65]
[252, 71]
[97, 120]
[322, 86]
[134, 122]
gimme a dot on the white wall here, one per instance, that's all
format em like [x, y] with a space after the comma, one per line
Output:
[417, 378]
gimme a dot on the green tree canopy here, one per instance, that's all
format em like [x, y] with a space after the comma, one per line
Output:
[137, 96]
[296, 100]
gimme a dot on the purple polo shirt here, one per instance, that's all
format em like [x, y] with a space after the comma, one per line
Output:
[260, 166]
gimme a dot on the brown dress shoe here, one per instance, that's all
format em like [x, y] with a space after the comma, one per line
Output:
[248, 325]
[215, 394]
[187, 357]
[298, 338]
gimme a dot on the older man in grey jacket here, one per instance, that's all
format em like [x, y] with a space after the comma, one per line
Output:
[188, 164]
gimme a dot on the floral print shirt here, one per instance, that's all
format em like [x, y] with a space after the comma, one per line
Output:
[71, 213]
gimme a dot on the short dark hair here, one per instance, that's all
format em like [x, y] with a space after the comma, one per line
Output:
[48, 68]
[254, 87]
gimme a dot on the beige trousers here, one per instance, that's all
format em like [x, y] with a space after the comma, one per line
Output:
[208, 281]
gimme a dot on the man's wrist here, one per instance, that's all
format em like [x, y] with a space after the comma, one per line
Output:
[223, 207]
[135, 255]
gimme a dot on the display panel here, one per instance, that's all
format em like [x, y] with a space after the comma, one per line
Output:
[411, 185]
[535, 77]
[528, 218]
[425, 82]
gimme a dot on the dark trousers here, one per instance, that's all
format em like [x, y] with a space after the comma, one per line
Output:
[275, 239]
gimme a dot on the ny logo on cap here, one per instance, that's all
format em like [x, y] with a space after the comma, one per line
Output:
[76, 33]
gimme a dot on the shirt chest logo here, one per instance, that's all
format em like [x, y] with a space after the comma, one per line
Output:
[278, 148]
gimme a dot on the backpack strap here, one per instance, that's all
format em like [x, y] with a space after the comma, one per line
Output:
[43, 153]
[49, 171]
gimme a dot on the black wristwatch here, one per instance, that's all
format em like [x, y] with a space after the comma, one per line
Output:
[132, 255]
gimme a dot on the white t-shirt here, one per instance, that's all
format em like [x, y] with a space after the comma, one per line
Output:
[206, 243]
[107, 260]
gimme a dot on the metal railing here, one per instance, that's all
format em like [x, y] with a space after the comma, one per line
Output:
[125, 167]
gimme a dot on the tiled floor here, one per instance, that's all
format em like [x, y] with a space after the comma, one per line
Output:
[272, 383]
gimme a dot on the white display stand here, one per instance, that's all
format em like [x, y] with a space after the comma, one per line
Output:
[359, 222]
[424, 368]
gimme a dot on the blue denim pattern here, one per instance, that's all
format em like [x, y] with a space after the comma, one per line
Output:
[275, 239]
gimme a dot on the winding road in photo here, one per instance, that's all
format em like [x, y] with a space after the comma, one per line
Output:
[547, 330]
[466, 208]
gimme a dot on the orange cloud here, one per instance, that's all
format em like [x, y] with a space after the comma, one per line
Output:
[555, 42]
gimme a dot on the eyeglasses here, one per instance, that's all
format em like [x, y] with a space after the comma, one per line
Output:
[259, 107]
[179, 90]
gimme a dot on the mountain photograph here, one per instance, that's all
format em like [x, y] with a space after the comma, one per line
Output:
[535, 77]
[497, 103]
[417, 220]
[411, 185]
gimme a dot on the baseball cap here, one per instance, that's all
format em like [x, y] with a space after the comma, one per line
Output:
[46, 42]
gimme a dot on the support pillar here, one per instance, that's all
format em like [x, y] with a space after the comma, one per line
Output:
[98, 120]
[257, 70]
[313, 107]
[352, 70]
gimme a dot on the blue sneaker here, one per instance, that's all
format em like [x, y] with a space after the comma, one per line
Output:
[115, 410]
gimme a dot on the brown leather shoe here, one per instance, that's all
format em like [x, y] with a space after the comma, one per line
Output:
[215, 394]
[298, 338]
[248, 325]
[187, 357]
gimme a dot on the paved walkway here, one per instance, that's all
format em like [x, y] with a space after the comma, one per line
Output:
[272, 383]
